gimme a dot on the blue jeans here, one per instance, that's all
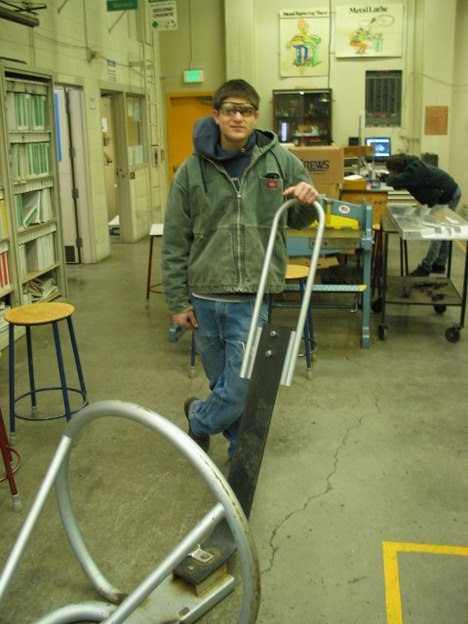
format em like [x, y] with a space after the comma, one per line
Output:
[438, 250]
[221, 337]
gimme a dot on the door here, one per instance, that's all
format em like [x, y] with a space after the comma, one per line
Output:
[183, 110]
[109, 163]
[72, 167]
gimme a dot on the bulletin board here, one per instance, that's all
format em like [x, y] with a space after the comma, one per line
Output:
[436, 120]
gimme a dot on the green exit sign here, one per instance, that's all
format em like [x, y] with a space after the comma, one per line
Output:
[122, 5]
[193, 75]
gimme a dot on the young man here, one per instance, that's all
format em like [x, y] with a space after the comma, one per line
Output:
[430, 186]
[218, 218]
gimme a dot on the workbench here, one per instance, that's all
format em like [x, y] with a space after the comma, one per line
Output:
[439, 292]
[343, 240]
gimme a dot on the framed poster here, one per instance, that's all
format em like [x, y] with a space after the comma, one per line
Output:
[368, 30]
[304, 42]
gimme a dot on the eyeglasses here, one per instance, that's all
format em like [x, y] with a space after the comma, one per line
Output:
[230, 109]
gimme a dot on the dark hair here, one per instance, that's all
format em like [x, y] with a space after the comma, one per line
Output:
[236, 88]
[397, 162]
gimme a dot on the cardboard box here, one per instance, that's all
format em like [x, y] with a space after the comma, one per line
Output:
[324, 163]
[354, 183]
[332, 191]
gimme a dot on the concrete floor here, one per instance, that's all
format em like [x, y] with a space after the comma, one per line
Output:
[371, 451]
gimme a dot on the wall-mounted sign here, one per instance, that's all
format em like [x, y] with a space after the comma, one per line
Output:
[369, 30]
[122, 5]
[304, 42]
[436, 120]
[163, 14]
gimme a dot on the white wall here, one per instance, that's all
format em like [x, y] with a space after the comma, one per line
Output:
[433, 65]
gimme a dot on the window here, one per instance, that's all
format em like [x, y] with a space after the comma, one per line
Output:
[135, 130]
[383, 98]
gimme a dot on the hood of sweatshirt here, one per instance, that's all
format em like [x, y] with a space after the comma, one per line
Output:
[207, 140]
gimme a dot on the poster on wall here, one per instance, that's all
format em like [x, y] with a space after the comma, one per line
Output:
[304, 42]
[163, 14]
[369, 30]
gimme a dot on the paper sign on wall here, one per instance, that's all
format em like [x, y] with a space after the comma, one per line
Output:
[304, 41]
[163, 14]
[369, 30]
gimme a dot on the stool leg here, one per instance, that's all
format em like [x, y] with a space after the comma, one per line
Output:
[150, 263]
[32, 382]
[7, 458]
[193, 353]
[79, 370]
[63, 381]
[11, 365]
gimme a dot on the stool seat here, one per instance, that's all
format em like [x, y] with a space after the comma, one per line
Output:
[296, 271]
[39, 313]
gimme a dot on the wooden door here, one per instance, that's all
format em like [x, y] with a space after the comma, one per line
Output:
[183, 110]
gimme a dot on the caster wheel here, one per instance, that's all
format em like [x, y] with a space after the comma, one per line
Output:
[440, 309]
[453, 334]
[377, 305]
[383, 332]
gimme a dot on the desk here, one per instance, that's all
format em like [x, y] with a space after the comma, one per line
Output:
[339, 241]
[435, 291]
[377, 198]
[156, 229]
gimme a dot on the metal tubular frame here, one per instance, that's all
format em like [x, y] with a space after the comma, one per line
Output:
[296, 336]
[227, 508]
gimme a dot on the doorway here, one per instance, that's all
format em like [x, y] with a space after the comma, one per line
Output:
[183, 110]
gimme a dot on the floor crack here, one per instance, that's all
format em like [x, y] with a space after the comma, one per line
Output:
[327, 488]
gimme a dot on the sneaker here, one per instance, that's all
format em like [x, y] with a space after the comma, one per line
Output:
[420, 271]
[438, 268]
[202, 441]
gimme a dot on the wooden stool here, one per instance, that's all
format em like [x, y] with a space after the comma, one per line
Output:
[27, 316]
[7, 456]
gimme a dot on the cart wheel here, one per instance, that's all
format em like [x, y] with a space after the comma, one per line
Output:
[453, 334]
[377, 305]
[440, 309]
[383, 331]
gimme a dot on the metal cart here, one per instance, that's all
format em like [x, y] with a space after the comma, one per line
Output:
[422, 223]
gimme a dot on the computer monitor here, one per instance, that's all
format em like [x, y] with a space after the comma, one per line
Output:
[382, 148]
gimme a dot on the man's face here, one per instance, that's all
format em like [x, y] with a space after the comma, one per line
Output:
[236, 119]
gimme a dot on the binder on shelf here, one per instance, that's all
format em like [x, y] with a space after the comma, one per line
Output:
[4, 230]
[22, 270]
[40, 253]
[4, 270]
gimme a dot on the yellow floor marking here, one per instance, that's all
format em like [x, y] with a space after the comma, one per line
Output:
[461, 244]
[392, 578]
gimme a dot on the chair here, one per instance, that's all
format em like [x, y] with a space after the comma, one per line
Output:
[32, 315]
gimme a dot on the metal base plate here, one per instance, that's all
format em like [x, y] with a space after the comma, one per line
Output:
[175, 600]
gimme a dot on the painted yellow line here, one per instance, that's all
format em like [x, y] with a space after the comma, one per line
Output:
[391, 573]
[462, 245]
